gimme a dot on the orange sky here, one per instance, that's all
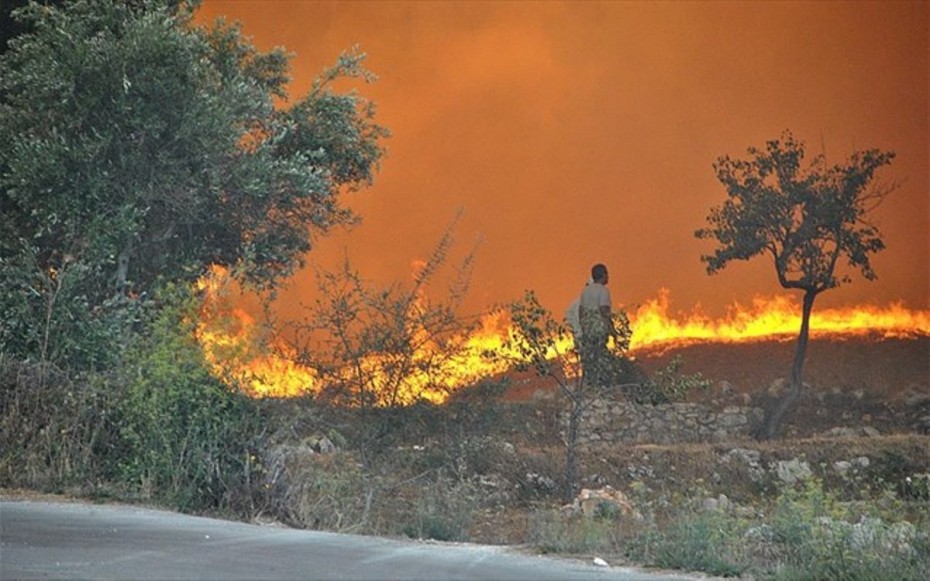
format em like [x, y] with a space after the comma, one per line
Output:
[578, 132]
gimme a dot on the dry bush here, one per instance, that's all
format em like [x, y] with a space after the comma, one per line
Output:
[52, 428]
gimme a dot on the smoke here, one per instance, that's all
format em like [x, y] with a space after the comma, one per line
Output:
[574, 133]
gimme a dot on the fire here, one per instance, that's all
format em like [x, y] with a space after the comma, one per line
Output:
[238, 352]
[233, 347]
[778, 317]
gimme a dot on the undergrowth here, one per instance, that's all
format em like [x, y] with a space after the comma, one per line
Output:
[164, 431]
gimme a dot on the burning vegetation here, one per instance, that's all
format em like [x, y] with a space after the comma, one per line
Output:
[242, 351]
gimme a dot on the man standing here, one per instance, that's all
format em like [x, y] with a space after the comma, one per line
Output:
[596, 321]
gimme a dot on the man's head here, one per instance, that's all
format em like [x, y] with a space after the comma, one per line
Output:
[599, 273]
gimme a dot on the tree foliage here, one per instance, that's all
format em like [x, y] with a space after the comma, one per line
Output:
[144, 148]
[806, 218]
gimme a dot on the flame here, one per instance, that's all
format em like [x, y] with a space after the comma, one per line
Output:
[776, 317]
[238, 352]
[232, 345]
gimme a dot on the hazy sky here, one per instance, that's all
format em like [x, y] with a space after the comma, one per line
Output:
[571, 133]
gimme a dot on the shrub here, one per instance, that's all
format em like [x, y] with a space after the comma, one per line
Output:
[184, 437]
[47, 317]
[443, 511]
[322, 491]
[815, 539]
[707, 541]
[808, 535]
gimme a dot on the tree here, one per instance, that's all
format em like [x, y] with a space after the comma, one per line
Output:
[806, 219]
[538, 341]
[377, 347]
[139, 148]
[10, 27]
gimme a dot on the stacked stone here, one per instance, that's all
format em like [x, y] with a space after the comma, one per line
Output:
[610, 422]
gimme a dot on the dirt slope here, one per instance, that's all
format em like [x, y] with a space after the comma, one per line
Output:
[851, 380]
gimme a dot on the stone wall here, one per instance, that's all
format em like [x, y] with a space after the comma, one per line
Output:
[607, 422]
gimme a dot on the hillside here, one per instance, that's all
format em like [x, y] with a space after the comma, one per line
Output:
[853, 380]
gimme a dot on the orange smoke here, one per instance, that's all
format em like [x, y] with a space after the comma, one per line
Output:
[239, 352]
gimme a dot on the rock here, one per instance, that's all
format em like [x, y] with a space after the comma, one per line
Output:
[745, 512]
[604, 501]
[598, 480]
[841, 432]
[873, 532]
[598, 562]
[744, 455]
[721, 503]
[916, 398]
[777, 387]
[568, 511]
[793, 471]
[751, 458]
[323, 445]
[763, 533]
[861, 462]
[870, 432]
[540, 482]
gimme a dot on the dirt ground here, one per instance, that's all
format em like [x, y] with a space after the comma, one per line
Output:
[851, 381]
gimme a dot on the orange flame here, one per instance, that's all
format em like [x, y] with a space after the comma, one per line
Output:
[232, 341]
[773, 317]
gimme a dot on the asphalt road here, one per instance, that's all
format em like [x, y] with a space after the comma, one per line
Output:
[59, 540]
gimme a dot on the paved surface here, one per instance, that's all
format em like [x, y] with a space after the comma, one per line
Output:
[54, 540]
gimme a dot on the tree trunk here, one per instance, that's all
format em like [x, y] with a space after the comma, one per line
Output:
[775, 417]
[571, 445]
[122, 268]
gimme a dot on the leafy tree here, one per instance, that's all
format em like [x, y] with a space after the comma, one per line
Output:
[10, 27]
[806, 219]
[141, 148]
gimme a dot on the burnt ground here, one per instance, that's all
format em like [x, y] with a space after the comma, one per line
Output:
[856, 382]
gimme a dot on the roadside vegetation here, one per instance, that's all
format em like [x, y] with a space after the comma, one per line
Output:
[476, 469]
